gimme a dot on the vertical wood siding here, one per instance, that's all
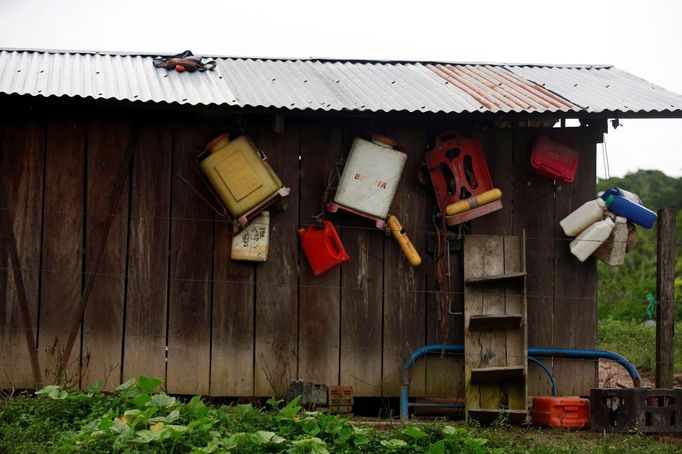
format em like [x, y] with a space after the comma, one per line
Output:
[168, 301]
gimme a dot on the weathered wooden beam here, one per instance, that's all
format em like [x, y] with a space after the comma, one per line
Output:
[26, 322]
[665, 293]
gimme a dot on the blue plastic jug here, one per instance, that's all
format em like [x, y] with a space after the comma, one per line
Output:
[623, 193]
[636, 213]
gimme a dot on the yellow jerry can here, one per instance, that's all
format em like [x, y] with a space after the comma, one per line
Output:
[243, 181]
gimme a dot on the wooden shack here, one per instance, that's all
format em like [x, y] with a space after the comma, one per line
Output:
[166, 299]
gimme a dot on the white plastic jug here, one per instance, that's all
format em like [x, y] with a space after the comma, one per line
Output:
[587, 214]
[612, 251]
[591, 238]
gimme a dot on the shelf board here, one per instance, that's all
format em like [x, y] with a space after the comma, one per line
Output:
[491, 322]
[494, 375]
[495, 277]
[489, 415]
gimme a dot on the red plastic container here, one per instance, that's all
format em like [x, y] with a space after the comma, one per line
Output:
[569, 412]
[457, 168]
[322, 246]
[554, 158]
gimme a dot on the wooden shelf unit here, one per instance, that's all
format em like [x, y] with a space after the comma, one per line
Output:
[495, 327]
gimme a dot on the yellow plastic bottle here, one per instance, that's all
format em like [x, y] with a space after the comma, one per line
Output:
[473, 202]
[239, 176]
[403, 240]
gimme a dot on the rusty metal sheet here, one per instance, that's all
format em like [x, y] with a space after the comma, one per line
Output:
[337, 85]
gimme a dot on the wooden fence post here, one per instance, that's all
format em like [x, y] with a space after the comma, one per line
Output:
[665, 293]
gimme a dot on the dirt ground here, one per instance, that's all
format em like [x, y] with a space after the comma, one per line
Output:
[612, 375]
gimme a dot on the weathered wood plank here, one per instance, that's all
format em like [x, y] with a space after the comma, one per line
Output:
[319, 297]
[498, 148]
[361, 308]
[103, 319]
[483, 256]
[61, 279]
[277, 279]
[147, 293]
[361, 302]
[21, 170]
[575, 283]
[445, 373]
[404, 285]
[514, 295]
[534, 211]
[233, 306]
[191, 267]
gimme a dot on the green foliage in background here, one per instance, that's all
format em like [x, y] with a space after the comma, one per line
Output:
[135, 418]
[622, 290]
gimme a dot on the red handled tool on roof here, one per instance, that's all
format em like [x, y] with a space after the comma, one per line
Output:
[185, 61]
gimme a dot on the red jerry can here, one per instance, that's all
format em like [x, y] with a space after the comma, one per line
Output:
[457, 168]
[555, 158]
[322, 246]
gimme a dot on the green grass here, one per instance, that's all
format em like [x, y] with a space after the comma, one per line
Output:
[136, 418]
[636, 342]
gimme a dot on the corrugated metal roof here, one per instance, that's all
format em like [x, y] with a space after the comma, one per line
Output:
[337, 85]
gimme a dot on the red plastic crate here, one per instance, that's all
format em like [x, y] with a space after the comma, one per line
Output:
[555, 158]
[569, 412]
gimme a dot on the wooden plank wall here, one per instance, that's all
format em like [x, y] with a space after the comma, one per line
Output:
[168, 302]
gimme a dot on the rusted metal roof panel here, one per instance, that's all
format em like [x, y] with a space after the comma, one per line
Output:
[602, 89]
[336, 85]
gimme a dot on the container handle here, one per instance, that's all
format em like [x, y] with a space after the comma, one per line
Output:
[336, 246]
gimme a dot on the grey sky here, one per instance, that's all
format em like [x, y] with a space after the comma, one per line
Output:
[640, 37]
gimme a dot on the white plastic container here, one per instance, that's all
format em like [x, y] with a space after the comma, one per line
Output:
[586, 215]
[252, 243]
[591, 238]
[370, 178]
[612, 251]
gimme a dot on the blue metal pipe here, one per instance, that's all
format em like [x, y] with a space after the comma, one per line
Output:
[570, 353]
[549, 374]
[588, 354]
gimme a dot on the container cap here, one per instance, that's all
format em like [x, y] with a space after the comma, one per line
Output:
[609, 222]
[609, 199]
[222, 138]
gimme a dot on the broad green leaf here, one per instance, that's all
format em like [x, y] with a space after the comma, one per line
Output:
[393, 443]
[96, 387]
[291, 409]
[454, 431]
[276, 439]
[414, 432]
[437, 447]
[147, 384]
[161, 400]
[147, 436]
[48, 389]
[172, 416]
[177, 428]
[126, 385]
[196, 407]
[262, 437]
[141, 400]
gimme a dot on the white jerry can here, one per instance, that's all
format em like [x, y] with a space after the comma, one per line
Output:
[253, 242]
[370, 178]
